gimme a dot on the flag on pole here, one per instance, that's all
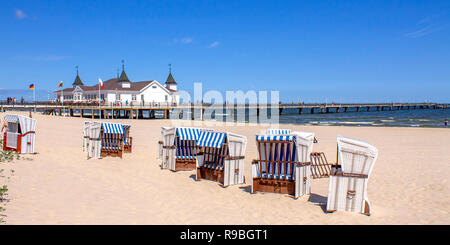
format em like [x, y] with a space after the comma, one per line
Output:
[32, 86]
[60, 84]
[100, 82]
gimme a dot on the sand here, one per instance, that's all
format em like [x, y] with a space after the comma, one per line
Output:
[58, 185]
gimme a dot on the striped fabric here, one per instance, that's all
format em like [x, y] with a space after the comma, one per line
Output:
[211, 139]
[188, 133]
[214, 158]
[275, 137]
[278, 131]
[112, 128]
[277, 155]
[186, 149]
[11, 118]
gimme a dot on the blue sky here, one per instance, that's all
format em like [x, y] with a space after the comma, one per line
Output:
[313, 51]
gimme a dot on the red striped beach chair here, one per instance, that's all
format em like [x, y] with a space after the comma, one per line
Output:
[283, 164]
[347, 189]
[221, 158]
[20, 135]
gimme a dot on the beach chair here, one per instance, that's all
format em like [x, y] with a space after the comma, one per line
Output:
[320, 167]
[20, 135]
[127, 139]
[105, 139]
[86, 127]
[283, 164]
[93, 138]
[178, 149]
[347, 189]
[221, 157]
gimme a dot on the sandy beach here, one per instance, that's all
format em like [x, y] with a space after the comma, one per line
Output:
[58, 185]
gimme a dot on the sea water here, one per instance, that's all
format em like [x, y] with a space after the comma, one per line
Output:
[433, 118]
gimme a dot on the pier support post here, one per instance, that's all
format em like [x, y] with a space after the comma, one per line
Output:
[299, 111]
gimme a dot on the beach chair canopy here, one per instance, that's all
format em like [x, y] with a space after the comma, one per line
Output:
[356, 156]
[11, 118]
[26, 124]
[278, 131]
[188, 133]
[275, 137]
[112, 128]
[211, 139]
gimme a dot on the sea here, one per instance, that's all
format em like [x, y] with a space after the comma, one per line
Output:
[425, 118]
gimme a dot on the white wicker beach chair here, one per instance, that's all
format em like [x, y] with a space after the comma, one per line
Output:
[86, 127]
[221, 157]
[178, 149]
[21, 134]
[347, 189]
[283, 164]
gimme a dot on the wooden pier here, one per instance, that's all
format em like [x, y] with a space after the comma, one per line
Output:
[137, 111]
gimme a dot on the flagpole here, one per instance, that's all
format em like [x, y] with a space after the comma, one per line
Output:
[99, 100]
[34, 97]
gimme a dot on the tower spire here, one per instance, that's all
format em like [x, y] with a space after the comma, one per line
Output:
[77, 81]
[170, 68]
[123, 77]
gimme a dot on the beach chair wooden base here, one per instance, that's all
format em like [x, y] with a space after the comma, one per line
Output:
[185, 165]
[210, 174]
[366, 209]
[274, 186]
[111, 153]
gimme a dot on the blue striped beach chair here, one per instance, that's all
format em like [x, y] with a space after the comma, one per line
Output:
[283, 164]
[178, 149]
[111, 139]
[221, 157]
[347, 189]
[320, 168]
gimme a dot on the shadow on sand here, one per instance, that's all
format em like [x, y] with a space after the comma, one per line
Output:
[319, 200]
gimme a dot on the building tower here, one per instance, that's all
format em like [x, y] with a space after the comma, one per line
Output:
[170, 82]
